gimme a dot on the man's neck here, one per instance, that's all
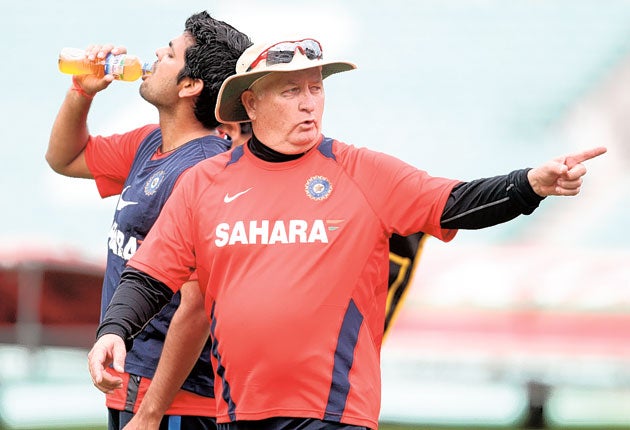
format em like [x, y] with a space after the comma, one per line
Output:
[265, 153]
[177, 132]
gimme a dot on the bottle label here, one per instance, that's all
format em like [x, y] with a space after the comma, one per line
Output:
[115, 64]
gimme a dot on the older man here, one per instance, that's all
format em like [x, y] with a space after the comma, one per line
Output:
[289, 235]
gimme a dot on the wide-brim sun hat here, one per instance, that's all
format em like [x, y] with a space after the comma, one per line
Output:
[254, 63]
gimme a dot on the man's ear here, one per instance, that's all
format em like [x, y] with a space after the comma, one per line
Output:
[189, 87]
[230, 128]
[248, 99]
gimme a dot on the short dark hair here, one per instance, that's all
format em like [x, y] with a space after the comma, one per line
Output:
[212, 58]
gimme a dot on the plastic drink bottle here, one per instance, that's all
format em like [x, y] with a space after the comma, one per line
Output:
[124, 67]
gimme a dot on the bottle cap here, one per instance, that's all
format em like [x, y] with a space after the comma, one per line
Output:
[72, 53]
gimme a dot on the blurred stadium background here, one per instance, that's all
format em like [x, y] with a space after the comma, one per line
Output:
[525, 325]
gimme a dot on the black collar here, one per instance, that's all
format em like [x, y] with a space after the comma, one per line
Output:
[265, 153]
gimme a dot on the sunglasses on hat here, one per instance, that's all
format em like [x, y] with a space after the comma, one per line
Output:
[283, 52]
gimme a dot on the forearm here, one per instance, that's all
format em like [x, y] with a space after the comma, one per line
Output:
[490, 201]
[185, 339]
[136, 300]
[69, 136]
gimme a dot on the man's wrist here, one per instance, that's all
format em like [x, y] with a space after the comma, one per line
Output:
[115, 329]
[76, 86]
[151, 418]
[524, 191]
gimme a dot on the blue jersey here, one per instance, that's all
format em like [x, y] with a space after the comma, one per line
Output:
[146, 189]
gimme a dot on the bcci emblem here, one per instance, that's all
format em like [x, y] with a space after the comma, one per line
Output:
[153, 183]
[318, 188]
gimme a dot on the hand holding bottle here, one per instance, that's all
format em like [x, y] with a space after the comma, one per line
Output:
[99, 65]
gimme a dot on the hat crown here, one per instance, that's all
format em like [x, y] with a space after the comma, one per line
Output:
[254, 58]
[252, 65]
[249, 56]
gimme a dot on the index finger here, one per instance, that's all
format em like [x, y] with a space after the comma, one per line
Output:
[574, 159]
[96, 364]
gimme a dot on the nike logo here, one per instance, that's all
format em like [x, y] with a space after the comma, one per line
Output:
[228, 198]
[122, 203]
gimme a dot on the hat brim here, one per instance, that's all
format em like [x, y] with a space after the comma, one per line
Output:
[229, 107]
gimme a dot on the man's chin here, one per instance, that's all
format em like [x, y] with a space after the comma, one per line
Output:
[307, 138]
[304, 146]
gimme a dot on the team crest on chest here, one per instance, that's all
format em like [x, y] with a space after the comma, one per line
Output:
[318, 188]
[153, 183]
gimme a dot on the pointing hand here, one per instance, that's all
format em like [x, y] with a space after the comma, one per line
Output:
[562, 176]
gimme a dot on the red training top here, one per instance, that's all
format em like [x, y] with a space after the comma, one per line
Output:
[293, 258]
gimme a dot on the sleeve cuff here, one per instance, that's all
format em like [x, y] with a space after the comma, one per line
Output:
[116, 329]
[522, 191]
